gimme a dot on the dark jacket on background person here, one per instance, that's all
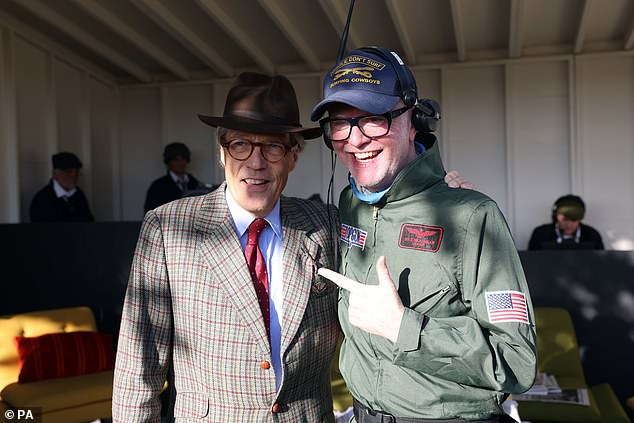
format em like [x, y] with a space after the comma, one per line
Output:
[164, 189]
[47, 207]
[546, 234]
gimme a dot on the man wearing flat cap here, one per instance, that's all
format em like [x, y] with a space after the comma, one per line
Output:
[566, 232]
[224, 292]
[61, 200]
[177, 182]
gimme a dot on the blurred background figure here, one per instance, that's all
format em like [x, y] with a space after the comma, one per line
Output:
[62, 200]
[177, 181]
[566, 230]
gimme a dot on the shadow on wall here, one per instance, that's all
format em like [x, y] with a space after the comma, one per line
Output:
[597, 288]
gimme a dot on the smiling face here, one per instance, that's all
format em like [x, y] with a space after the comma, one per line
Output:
[255, 183]
[375, 162]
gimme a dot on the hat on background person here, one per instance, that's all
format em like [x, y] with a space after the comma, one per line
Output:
[571, 206]
[65, 161]
[261, 104]
[362, 80]
[176, 149]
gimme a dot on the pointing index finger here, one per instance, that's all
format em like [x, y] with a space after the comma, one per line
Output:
[339, 279]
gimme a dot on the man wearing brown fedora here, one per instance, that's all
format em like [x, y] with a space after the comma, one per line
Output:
[224, 293]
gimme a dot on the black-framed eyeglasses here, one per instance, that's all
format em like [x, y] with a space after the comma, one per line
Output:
[372, 126]
[241, 149]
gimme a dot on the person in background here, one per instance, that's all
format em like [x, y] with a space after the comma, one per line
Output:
[566, 230]
[61, 200]
[177, 182]
[434, 305]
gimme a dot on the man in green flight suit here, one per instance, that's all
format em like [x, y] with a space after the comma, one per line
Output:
[434, 304]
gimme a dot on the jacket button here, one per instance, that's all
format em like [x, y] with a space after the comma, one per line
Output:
[265, 365]
[276, 408]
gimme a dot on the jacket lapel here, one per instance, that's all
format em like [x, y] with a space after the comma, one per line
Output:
[220, 248]
[300, 254]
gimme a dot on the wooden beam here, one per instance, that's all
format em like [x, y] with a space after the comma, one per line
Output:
[337, 14]
[65, 25]
[96, 9]
[583, 26]
[629, 39]
[183, 33]
[292, 32]
[516, 28]
[29, 33]
[397, 14]
[234, 30]
[457, 28]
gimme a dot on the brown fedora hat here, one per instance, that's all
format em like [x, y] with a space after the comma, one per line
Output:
[261, 104]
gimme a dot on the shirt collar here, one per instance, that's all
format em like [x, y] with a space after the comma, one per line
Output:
[242, 218]
[60, 191]
[176, 179]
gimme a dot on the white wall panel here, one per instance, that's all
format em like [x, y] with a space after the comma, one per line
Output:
[104, 151]
[181, 106]
[311, 167]
[219, 95]
[606, 143]
[72, 114]
[35, 120]
[141, 147]
[539, 141]
[474, 127]
[9, 176]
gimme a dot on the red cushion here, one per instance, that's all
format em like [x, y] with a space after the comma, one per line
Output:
[63, 354]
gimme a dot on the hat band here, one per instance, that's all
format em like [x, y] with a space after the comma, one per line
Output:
[275, 120]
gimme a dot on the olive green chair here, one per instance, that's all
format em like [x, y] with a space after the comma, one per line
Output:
[558, 354]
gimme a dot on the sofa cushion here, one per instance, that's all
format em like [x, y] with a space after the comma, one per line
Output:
[37, 323]
[66, 354]
[60, 394]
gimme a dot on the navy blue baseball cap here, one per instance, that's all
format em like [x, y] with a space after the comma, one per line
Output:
[362, 80]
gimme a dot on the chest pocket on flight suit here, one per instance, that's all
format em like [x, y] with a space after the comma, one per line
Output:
[431, 292]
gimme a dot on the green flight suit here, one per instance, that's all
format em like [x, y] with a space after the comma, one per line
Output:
[448, 251]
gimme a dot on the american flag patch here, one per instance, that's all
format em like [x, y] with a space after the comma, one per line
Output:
[506, 306]
[353, 236]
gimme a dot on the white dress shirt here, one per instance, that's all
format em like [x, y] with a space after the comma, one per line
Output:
[270, 243]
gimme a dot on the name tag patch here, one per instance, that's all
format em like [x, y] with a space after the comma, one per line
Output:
[353, 236]
[420, 237]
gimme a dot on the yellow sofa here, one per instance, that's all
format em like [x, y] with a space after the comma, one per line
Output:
[64, 400]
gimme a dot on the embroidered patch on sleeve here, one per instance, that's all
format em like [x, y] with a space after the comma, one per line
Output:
[506, 306]
[353, 236]
[420, 237]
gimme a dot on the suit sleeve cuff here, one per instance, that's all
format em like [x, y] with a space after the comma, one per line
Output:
[409, 333]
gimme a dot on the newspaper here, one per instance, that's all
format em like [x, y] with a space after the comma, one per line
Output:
[544, 384]
[566, 396]
[546, 389]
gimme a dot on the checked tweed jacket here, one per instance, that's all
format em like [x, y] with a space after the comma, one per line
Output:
[191, 305]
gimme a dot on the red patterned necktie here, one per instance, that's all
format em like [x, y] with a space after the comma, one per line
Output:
[257, 267]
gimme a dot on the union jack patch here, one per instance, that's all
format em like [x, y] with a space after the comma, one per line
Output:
[506, 306]
[353, 236]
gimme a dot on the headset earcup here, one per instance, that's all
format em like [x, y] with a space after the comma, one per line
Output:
[426, 115]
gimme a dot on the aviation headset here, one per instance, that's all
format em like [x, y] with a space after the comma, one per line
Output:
[426, 111]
